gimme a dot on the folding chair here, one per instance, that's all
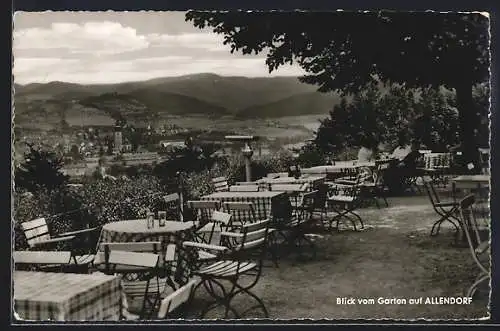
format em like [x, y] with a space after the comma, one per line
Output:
[42, 260]
[140, 268]
[178, 302]
[343, 200]
[303, 213]
[241, 257]
[242, 212]
[445, 209]
[377, 189]
[479, 247]
[38, 237]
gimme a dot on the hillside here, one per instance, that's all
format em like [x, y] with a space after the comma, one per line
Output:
[201, 94]
[232, 93]
[149, 103]
[297, 105]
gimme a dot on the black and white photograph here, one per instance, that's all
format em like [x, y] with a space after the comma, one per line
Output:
[250, 165]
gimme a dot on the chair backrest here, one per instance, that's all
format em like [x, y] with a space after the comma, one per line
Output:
[166, 253]
[42, 257]
[133, 259]
[221, 184]
[289, 188]
[221, 217]
[179, 297]
[241, 211]
[173, 206]
[469, 223]
[244, 188]
[36, 231]
[248, 242]
[203, 210]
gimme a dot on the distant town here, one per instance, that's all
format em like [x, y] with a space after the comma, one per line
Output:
[87, 149]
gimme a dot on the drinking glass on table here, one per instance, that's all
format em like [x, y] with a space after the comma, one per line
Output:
[150, 220]
[162, 217]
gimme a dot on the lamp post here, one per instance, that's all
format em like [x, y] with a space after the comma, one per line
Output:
[246, 151]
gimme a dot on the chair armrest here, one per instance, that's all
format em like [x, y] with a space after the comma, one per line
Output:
[447, 204]
[53, 241]
[231, 234]
[204, 246]
[253, 224]
[75, 233]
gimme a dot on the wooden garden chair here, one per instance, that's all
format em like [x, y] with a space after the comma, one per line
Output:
[447, 210]
[177, 303]
[39, 238]
[140, 272]
[343, 200]
[377, 189]
[240, 257]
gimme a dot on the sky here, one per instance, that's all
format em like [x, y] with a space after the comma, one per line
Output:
[112, 47]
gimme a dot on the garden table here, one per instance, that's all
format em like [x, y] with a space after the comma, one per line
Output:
[479, 183]
[46, 296]
[471, 181]
[266, 203]
[313, 181]
[136, 230]
[173, 232]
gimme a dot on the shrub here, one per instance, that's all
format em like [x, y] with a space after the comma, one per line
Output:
[44, 203]
[123, 198]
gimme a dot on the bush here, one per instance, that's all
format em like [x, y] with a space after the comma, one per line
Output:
[123, 198]
[44, 203]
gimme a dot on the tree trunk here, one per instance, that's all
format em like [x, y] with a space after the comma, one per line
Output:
[468, 123]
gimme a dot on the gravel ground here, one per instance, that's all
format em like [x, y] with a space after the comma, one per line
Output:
[393, 258]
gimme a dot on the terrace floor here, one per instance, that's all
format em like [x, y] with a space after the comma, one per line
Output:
[394, 257]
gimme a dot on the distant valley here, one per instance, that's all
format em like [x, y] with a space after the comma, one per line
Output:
[46, 106]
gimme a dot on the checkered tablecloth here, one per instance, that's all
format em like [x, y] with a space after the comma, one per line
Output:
[266, 204]
[43, 296]
[313, 181]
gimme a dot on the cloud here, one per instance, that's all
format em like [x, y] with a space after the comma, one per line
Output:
[111, 52]
[208, 41]
[91, 37]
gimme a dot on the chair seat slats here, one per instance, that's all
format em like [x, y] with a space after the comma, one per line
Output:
[227, 268]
